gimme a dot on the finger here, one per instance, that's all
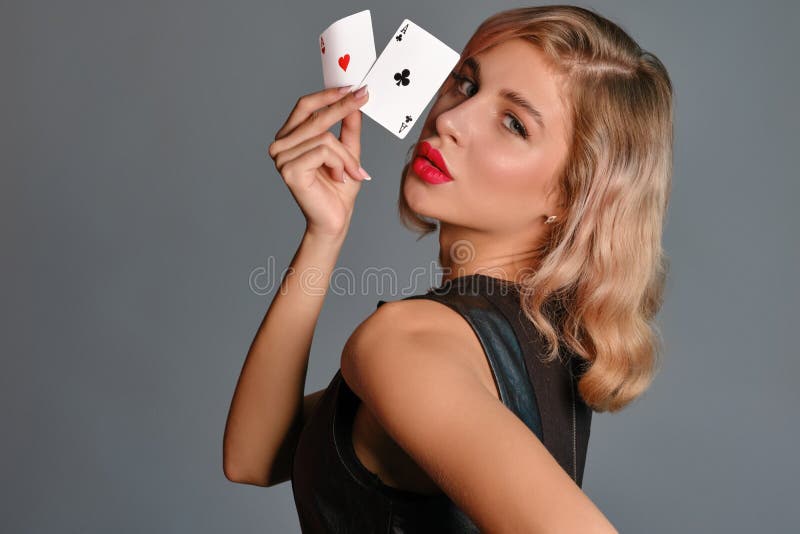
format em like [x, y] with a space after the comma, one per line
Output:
[320, 121]
[352, 165]
[296, 172]
[350, 133]
[309, 103]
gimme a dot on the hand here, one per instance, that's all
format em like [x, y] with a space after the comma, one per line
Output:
[313, 162]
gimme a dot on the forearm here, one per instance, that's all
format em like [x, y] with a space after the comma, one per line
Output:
[269, 394]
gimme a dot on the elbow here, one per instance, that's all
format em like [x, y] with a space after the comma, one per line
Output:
[232, 473]
[238, 467]
[241, 476]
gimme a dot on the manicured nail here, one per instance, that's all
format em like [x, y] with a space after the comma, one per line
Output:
[361, 92]
[364, 174]
[343, 90]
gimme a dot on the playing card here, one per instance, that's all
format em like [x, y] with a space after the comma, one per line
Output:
[408, 73]
[347, 48]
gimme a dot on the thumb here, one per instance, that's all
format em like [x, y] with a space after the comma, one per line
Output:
[350, 133]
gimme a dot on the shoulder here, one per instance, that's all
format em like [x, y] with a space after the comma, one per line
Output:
[403, 333]
[405, 363]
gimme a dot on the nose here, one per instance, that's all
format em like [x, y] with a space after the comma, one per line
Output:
[454, 123]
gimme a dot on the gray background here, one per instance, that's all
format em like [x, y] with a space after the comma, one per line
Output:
[137, 199]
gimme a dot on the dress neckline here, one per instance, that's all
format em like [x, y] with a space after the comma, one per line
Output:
[458, 279]
[476, 281]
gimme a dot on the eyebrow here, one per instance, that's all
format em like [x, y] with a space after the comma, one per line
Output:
[511, 96]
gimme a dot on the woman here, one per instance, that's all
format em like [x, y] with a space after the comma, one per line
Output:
[553, 146]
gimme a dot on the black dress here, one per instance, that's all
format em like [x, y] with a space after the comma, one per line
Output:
[335, 493]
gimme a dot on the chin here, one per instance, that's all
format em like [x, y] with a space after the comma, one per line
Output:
[419, 197]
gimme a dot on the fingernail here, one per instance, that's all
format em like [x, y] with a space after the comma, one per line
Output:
[364, 174]
[343, 90]
[361, 92]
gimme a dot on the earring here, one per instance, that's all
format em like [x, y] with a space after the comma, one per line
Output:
[550, 219]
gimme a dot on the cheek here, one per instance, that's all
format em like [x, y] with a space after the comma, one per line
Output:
[505, 172]
[509, 186]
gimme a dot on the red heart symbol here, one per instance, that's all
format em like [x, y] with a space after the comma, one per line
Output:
[344, 61]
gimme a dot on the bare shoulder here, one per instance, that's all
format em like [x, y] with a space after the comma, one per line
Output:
[406, 364]
[412, 314]
[423, 327]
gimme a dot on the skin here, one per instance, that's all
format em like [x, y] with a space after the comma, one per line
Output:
[374, 447]
[501, 194]
[431, 418]
[504, 185]
[430, 415]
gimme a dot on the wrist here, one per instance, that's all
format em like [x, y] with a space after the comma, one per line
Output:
[332, 242]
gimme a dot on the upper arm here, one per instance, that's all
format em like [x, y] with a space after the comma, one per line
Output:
[431, 401]
[281, 470]
[310, 404]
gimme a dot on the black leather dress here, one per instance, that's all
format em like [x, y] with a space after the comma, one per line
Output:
[335, 493]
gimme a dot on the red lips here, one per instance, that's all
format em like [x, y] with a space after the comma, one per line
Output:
[435, 157]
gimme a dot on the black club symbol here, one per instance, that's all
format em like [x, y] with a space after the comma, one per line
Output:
[399, 37]
[408, 118]
[402, 77]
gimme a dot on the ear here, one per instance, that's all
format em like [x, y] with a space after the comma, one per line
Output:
[554, 200]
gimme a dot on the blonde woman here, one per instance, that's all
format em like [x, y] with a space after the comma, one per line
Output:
[545, 164]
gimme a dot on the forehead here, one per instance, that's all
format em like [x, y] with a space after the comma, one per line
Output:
[520, 66]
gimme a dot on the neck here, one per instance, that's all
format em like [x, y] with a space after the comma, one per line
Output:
[465, 251]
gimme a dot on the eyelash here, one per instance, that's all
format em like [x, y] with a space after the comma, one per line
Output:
[522, 132]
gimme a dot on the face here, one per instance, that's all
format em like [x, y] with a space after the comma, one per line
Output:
[502, 160]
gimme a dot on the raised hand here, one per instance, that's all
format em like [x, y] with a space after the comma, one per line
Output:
[314, 162]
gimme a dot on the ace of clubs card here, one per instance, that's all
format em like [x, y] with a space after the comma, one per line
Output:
[406, 76]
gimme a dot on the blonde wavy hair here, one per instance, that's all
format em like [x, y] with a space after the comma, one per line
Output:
[601, 272]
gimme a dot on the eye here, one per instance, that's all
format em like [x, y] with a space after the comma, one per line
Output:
[516, 126]
[460, 80]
